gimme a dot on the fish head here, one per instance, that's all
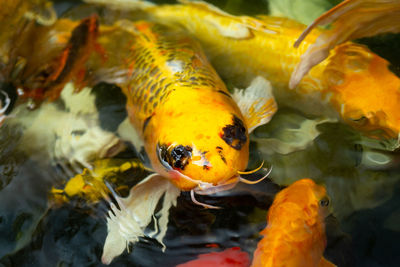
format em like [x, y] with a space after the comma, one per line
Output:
[364, 90]
[301, 209]
[307, 195]
[205, 153]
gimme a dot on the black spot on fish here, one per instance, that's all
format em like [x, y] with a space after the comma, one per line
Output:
[235, 134]
[174, 158]
[221, 154]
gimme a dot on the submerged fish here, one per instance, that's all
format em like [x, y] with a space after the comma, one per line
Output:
[193, 130]
[352, 84]
[195, 133]
[295, 232]
[352, 19]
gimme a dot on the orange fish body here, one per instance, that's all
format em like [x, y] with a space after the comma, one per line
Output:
[344, 86]
[295, 233]
[193, 131]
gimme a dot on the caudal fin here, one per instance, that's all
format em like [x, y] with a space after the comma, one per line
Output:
[352, 19]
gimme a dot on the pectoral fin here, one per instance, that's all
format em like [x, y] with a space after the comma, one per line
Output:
[256, 103]
[127, 222]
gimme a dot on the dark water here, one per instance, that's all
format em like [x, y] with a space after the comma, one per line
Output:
[361, 177]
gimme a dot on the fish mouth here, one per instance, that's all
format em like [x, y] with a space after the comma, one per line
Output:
[204, 188]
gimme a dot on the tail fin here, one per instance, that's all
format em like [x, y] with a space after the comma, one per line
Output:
[352, 19]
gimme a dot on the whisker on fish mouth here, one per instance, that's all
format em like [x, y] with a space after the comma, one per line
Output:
[243, 180]
[201, 204]
[252, 171]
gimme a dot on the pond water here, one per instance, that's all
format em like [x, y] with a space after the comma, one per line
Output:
[42, 148]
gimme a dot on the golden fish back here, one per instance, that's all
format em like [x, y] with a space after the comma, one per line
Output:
[163, 60]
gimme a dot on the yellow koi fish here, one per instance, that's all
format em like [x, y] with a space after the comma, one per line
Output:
[352, 84]
[295, 232]
[194, 132]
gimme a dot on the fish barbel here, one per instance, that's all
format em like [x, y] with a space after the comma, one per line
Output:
[295, 232]
[353, 84]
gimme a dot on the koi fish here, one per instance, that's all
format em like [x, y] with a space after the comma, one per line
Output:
[231, 257]
[295, 232]
[194, 132]
[352, 84]
[352, 19]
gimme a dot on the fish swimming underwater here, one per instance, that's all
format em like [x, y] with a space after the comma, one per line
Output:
[193, 130]
[352, 19]
[295, 232]
[352, 84]
[294, 236]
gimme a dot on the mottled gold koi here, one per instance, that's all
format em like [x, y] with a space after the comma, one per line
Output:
[241, 47]
[193, 131]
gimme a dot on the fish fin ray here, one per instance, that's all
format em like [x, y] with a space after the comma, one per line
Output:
[352, 19]
[128, 222]
[256, 102]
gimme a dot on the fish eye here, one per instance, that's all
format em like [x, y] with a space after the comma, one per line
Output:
[324, 202]
[361, 120]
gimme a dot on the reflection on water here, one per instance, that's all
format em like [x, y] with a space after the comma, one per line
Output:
[361, 177]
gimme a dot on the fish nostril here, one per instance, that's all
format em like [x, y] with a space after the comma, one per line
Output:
[180, 156]
[174, 158]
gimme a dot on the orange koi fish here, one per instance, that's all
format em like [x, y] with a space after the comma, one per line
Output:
[352, 84]
[295, 233]
[352, 19]
[194, 131]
